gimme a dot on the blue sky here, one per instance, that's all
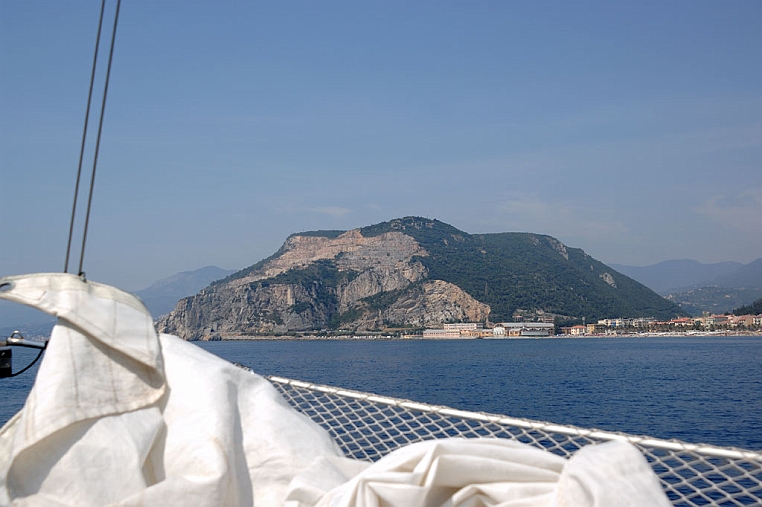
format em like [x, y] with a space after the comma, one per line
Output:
[632, 130]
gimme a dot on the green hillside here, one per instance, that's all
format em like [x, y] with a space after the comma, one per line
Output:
[512, 271]
[753, 309]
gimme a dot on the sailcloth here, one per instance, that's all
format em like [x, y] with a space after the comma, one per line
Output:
[122, 416]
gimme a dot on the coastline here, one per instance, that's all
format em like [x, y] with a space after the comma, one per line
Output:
[383, 337]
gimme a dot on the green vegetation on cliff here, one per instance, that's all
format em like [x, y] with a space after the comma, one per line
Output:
[511, 271]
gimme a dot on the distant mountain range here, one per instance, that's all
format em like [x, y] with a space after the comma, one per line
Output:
[160, 298]
[697, 287]
[667, 276]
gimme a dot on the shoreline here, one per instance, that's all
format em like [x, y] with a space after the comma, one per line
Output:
[697, 334]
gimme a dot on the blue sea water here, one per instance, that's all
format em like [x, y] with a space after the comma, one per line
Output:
[701, 390]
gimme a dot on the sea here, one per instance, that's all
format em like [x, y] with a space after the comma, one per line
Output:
[695, 389]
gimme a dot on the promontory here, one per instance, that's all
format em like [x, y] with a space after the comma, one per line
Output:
[407, 274]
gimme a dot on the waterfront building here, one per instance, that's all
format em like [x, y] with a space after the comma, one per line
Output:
[463, 326]
[439, 334]
[502, 330]
[526, 329]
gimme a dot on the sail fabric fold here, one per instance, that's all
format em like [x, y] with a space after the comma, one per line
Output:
[460, 472]
[121, 416]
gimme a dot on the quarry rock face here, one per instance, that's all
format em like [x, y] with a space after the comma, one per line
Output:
[319, 283]
[432, 303]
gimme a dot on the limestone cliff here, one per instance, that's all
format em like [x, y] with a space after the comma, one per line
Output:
[320, 283]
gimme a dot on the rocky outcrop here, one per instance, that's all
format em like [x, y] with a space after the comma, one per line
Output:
[321, 283]
[378, 279]
[427, 305]
[606, 277]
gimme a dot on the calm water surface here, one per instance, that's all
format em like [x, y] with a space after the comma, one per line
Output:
[695, 389]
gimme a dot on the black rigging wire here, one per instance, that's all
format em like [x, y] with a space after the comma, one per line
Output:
[84, 136]
[98, 138]
[16, 338]
[30, 364]
[97, 141]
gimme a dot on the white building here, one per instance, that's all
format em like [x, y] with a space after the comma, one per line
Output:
[456, 330]
[441, 333]
[464, 326]
[524, 329]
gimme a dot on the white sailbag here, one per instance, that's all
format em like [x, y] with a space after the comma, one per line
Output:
[121, 416]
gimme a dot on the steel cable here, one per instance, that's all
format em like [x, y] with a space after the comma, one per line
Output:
[97, 140]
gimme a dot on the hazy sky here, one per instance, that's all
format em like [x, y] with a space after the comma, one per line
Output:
[632, 130]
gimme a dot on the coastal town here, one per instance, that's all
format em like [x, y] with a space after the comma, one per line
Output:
[706, 324]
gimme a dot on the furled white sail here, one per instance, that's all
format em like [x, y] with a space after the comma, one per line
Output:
[121, 416]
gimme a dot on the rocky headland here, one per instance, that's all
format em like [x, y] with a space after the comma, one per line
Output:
[404, 274]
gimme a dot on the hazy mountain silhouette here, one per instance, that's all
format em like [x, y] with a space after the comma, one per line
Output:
[699, 288]
[667, 276]
[749, 276]
[162, 296]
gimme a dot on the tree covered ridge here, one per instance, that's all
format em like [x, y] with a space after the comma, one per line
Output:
[753, 309]
[512, 270]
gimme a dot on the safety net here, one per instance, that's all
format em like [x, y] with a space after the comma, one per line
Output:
[369, 426]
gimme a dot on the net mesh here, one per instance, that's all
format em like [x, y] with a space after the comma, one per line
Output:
[368, 426]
